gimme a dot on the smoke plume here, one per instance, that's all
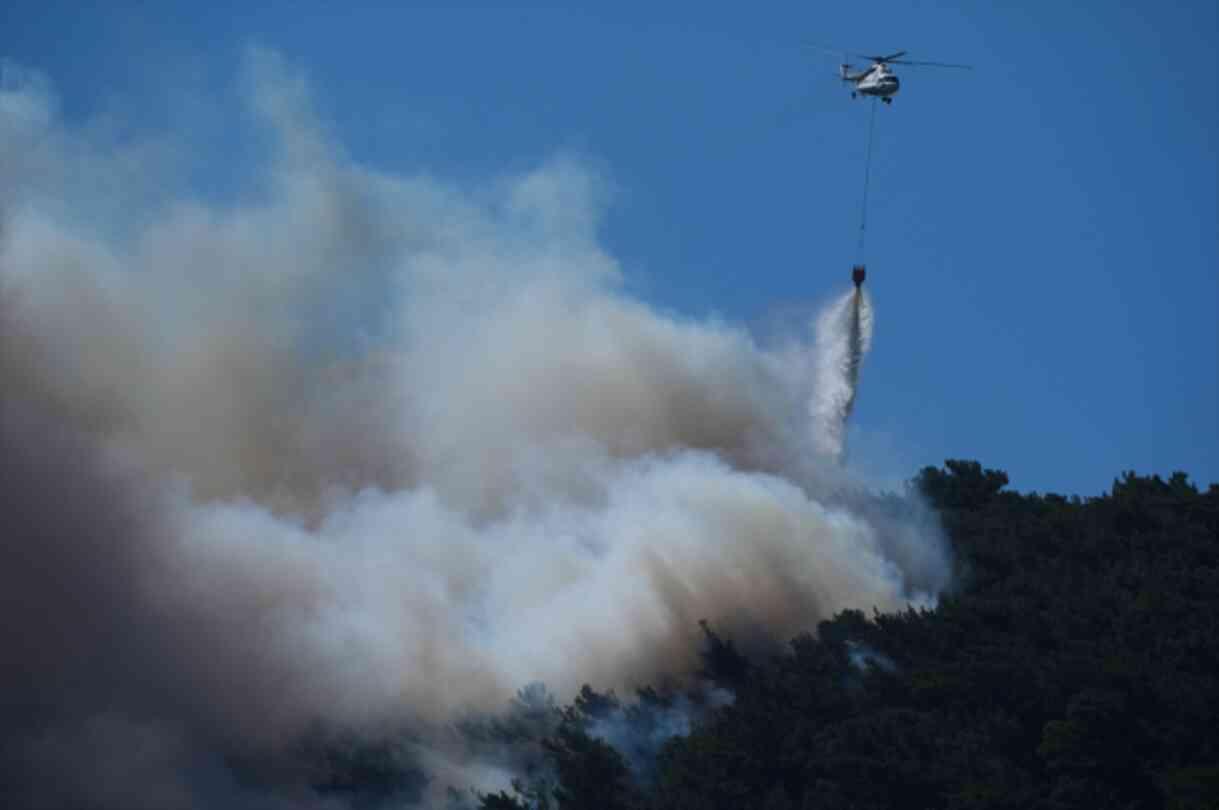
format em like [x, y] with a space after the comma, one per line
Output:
[351, 456]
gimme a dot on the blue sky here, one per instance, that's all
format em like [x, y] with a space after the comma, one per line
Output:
[1042, 249]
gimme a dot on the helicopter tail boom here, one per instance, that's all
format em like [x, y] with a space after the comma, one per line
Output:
[844, 73]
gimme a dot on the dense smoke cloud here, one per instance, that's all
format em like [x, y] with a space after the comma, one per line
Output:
[360, 454]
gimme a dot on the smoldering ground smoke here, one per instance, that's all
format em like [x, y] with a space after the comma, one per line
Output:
[358, 454]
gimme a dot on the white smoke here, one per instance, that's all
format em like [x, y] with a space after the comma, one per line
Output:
[398, 449]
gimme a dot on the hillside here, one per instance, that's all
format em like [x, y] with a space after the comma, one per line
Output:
[1076, 665]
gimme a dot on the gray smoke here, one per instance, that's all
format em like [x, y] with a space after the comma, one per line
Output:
[862, 656]
[360, 454]
[639, 730]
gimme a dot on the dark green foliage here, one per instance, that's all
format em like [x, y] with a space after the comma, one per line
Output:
[502, 801]
[1075, 665]
[722, 663]
[963, 485]
[591, 774]
[366, 775]
[532, 797]
[343, 768]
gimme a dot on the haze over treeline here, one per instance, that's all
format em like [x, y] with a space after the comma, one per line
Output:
[1074, 665]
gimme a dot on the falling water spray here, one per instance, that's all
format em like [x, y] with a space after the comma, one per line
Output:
[855, 347]
[843, 337]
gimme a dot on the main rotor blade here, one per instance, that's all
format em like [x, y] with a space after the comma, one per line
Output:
[931, 64]
[842, 52]
[891, 59]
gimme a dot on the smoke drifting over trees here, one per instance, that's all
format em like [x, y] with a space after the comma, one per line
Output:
[1073, 666]
[353, 458]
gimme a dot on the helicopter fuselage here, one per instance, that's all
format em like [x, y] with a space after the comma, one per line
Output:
[876, 81]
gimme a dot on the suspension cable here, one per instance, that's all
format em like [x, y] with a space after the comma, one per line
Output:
[867, 176]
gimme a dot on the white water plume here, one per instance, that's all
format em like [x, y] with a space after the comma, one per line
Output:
[843, 339]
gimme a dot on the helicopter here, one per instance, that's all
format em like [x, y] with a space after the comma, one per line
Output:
[878, 79]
